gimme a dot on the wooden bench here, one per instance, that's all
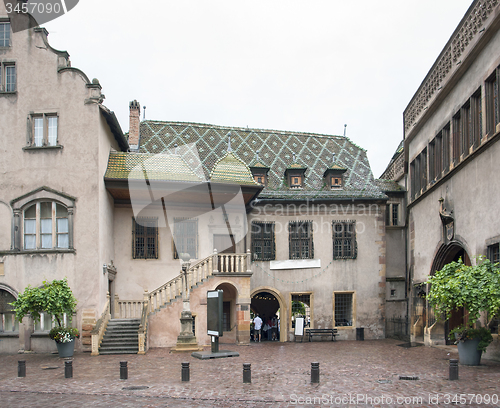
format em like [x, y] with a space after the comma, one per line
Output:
[321, 332]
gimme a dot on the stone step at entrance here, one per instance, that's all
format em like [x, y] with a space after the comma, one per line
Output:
[121, 337]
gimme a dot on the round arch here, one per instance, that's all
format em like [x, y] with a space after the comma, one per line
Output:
[282, 306]
[445, 254]
[449, 253]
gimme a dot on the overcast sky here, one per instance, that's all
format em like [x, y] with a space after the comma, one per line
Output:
[309, 66]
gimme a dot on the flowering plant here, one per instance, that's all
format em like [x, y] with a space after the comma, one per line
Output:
[63, 334]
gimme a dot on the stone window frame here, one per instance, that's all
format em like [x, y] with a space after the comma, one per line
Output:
[299, 296]
[259, 238]
[149, 231]
[353, 316]
[185, 221]
[45, 142]
[42, 194]
[302, 240]
[4, 67]
[3, 316]
[4, 23]
[341, 239]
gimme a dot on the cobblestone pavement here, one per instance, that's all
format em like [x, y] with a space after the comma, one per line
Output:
[352, 373]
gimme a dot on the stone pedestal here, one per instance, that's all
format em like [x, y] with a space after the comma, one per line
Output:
[186, 341]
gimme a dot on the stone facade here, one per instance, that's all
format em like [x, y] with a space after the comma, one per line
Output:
[451, 155]
[81, 201]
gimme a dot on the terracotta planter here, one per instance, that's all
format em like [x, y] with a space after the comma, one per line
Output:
[468, 354]
[66, 349]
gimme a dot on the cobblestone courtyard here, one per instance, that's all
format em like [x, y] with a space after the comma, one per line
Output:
[351, 374]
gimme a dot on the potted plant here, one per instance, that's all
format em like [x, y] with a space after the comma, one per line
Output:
[477, 288]
[56, 299]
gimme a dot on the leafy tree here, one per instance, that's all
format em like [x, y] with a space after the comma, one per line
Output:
[477, 288]
[55, 298]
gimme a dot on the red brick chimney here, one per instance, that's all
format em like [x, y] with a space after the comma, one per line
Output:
[135, 120]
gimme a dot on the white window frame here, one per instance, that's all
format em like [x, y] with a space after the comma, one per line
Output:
[5, 73]
[43, 132]
[56, 230]
[5, 28]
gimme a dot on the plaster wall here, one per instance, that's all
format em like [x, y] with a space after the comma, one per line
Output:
[364, 276]
[75, 169]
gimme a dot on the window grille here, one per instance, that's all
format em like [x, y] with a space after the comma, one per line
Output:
[263, 243]
[145, 238]
[186, 237]
[300, 240]
[8, 323]
[343, 309]
[344, 240]
[395, 214]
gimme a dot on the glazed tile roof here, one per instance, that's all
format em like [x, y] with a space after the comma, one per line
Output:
[276, 151]
[171, 167]
[231, 169]
[388, 185]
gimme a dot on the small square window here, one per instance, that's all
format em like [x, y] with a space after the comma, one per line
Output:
[295, 181]
[336, 182]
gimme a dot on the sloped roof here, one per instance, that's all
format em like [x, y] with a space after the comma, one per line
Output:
[276, 150]
[168, 167]
[388, 185]
[231, 169]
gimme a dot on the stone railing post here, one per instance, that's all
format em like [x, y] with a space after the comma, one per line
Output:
[117, 310]
[249, 261]
[215, 264]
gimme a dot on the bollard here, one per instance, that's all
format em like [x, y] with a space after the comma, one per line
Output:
[68, 369]
[315, 373]
[453, 369]
[185, 372]
[123, 370]
[247, 373]
[21, 368]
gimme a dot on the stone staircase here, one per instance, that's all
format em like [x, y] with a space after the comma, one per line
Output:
[121, 337]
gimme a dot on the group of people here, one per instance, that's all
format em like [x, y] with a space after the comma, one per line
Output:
[263, 328]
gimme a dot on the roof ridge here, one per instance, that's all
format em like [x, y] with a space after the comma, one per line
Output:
[247, 129]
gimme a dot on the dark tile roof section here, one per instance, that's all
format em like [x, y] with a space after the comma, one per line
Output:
[389, 186]
[276, 150]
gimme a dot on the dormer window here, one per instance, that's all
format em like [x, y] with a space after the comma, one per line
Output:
[259, 170]
[295, 174]
[334, 176]
[336, 182]
[295, 181]
[260, 178]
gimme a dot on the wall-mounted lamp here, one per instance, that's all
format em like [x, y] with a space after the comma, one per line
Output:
[104, 269]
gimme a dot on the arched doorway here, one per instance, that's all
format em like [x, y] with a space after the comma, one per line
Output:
[446, 254]
[229, 317]
[268, 303]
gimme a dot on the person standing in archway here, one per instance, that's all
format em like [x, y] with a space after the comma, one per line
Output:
[257, 321]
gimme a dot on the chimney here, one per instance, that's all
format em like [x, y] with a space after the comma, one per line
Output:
[135, 120]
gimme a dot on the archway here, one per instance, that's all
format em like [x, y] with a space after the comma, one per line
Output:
[229, 315]
[446, 254]
[268, 304]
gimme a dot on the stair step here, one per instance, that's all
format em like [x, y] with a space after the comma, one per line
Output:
[121, 349]
[118, 352]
